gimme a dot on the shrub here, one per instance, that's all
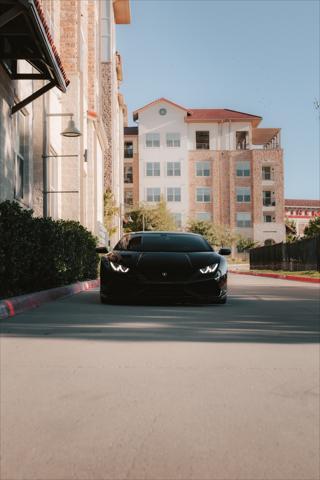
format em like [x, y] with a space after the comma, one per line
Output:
[41, 253]
[313, 228]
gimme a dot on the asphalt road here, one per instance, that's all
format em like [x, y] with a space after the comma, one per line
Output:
[225, 392]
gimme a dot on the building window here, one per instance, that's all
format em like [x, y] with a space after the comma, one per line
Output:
[204, 216]
[203, 194]
[128, 150]
[152, 140]
[202, 140]
[243, 194]
[241, 140]
[128, 197]
[173, 194]
[268, 218]
[173, 169]
[173, 139]
[153, 169]
[21, 155]
[266, 173]
[203, 169]
[243, 169]
[177, 217]
[268, 199]
[244, 219]
[153, 194]
[128, 174]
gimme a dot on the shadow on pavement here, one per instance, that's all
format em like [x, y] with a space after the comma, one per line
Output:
[265, 314]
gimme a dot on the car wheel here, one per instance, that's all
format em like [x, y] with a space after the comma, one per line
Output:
[105, 300]
[222, 300]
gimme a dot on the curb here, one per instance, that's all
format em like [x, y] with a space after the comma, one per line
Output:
[15, 305]
[296, 278]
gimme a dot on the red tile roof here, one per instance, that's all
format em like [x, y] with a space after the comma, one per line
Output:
[47, 30]
[301, 203]
[219, 114]
[204, 114]
[262, 136]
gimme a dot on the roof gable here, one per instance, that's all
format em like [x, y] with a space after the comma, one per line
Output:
[155, 102]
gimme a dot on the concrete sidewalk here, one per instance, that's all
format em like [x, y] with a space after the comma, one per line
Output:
[15, 305]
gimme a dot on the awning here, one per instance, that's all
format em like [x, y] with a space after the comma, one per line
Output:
[262, 136]
[24, 35]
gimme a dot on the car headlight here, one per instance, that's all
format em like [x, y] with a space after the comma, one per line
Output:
[209, 268]
[119, 268]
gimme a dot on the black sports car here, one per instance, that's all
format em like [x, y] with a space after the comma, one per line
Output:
[164, 265]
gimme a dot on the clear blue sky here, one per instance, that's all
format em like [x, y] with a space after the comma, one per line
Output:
[260, 57]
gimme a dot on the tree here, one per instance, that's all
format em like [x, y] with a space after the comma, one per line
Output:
[244, 244]
[110, 211]
[226, 237]
[203, 228]
[217, 235]
[313, 228]
[291, 231]
[146, 217]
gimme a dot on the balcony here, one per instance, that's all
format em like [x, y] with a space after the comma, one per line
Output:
[128, 178]
[202, 146]
[267, 202]
[128, 150]
[202, 140]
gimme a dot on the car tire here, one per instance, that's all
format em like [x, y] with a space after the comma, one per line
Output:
[222, 301]
[105, 300]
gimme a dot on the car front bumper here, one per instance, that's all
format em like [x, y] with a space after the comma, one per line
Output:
[119, 287]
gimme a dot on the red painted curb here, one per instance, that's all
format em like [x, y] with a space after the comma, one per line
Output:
[297, 278]
[15, 305]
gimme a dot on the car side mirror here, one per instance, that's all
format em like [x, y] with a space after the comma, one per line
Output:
[101, 250]
[224, 251]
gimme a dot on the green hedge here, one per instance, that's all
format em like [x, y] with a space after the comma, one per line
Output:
[41, 253]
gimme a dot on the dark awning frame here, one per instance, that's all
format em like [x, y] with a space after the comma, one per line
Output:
[24, 35]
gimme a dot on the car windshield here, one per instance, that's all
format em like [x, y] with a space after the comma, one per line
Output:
[163, 242]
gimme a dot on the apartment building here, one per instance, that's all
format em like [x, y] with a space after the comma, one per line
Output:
[301, 211]
[62, 115]
[210, 164]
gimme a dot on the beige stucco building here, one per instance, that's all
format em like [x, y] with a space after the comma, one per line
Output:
[209, 164]
[57, 175]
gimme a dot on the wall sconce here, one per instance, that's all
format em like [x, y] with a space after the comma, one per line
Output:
[71, 131]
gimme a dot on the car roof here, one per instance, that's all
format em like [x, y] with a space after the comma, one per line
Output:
[156, 232]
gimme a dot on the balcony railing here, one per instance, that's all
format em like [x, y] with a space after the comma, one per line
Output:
[128, 179]
[267, 202]
[267, 176]
[202, 146]
[128, 153]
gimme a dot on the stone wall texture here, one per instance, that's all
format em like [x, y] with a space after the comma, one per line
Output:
[106, 99]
